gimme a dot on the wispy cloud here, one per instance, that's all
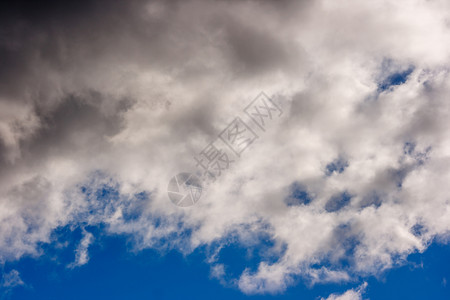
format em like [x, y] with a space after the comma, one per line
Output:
[81, 253]
[9, 281]
[353, 294]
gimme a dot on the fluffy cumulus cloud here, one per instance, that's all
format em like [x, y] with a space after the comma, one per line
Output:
[102, 102]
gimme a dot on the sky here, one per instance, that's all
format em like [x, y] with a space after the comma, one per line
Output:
[231, 149]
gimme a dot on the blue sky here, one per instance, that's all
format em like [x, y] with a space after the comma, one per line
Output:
[115, 272]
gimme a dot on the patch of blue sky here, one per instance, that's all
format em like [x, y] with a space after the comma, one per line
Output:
[393, 75]
[104, 198]
[336, 166]
[237, 256]
[116, 273]
[298, 195]
[425, 276]
[338, 201]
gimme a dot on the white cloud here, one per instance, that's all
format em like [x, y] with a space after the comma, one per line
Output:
[131, 109]
[11, 279]
[353, 294]
[81, 253]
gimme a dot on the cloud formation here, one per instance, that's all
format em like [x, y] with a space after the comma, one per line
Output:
[101, 103]
[81, 253]
[353, 294]
[9, 281]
